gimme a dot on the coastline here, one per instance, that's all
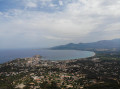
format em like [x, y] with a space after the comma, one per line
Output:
[50, 59]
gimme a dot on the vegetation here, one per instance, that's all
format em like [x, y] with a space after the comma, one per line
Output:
[99, 72]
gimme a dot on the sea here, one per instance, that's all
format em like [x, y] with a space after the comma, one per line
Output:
[12, 54]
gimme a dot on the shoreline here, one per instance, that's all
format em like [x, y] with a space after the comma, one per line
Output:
[50, 59]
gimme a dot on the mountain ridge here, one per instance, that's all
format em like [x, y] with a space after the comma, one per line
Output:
[112, 45]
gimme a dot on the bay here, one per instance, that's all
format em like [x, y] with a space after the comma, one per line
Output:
[8, 55]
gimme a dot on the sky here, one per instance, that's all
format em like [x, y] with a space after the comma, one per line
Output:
[48, 23]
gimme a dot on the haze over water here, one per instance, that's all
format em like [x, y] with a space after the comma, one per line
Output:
[7, 55]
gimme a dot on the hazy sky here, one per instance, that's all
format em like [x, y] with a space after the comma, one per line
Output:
[46, 23]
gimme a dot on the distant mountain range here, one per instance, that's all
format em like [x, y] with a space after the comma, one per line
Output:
[103, 45]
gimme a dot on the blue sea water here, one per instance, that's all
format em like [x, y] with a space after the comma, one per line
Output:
[8, 55]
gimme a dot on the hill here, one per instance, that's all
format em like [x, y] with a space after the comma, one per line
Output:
[103, 45]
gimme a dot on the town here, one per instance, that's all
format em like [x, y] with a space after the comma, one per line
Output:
[87, 73]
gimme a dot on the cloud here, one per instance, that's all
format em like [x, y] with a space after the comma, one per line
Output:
[60, 2]
[52, 5]
[55, 38]
[116, 27]
[31, 5]
[52, 23]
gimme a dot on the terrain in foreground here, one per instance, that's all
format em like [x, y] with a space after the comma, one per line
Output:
[99, 72]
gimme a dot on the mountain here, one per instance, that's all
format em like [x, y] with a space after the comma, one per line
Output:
[103, 45]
